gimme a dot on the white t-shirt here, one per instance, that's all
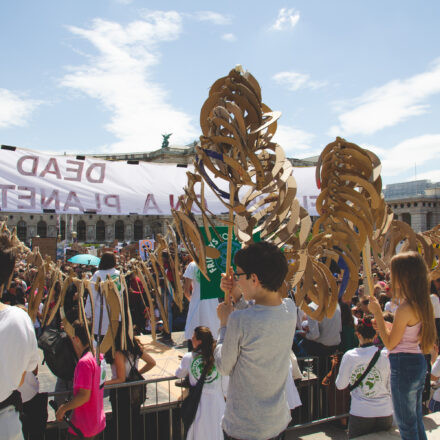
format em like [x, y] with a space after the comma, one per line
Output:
[372, 398]
[18, 348]
[30, 387]
[88, 308]
[207, 423]
[436, 372]
[436, 305]
[200, 312]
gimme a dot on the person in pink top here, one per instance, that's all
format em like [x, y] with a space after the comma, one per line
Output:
[88, 397]
[412, 334]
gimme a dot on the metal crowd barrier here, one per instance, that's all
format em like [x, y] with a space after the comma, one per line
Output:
[159, 416]
[320, 404]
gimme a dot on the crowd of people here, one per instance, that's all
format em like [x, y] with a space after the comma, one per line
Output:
[241, 352]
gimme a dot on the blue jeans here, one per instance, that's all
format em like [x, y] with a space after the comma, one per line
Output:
[408, 372]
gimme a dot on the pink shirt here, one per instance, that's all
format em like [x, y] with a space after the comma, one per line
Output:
[410, 340]
[90, 417]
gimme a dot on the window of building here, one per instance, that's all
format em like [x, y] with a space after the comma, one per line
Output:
[415, 203]
[22, 230]
[138, 230]
[429, 222]
[406, 217]
[42, 229]
[119, 230]
[81, 230]
[100, 230]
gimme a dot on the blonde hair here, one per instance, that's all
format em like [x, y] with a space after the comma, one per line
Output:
[410, 273]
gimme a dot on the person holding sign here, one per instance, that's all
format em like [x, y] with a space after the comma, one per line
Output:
[254, 344]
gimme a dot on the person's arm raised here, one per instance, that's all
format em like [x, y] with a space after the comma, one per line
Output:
[390, 337]
[230, 286]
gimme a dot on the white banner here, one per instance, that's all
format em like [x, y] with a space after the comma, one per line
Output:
[33, 182]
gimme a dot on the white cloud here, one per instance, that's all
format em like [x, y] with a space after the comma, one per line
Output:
[14, 109]
[119, 76]
[229, 37]
[294, 139]
[213, 17]
[389, 104]
[419, 151]
[295, 81]
[287, 19]
[433, 176]
[124, 2]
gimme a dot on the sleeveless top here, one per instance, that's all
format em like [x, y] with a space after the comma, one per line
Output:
[410, 340]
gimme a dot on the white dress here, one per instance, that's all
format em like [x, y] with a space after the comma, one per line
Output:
[207, 424]
[200, 312]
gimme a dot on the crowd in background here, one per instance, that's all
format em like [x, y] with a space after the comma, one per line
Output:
[353, 326]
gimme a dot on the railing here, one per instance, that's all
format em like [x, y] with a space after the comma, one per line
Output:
[320, 403]
[159, 416]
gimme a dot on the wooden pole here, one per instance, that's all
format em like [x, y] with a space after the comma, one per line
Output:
[230, 230]
[366, 259]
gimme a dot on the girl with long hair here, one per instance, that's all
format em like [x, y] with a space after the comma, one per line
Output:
[207, 423]
[126, 418]
[412, 334]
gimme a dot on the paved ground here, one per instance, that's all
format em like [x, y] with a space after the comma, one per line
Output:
[329, 431]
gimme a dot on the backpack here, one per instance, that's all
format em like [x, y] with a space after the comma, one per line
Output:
[58, 351]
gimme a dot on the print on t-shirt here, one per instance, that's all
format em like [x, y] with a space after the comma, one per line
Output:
[367, 385]
[197, 370]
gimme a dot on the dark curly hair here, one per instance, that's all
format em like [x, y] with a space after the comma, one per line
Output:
[207, 346]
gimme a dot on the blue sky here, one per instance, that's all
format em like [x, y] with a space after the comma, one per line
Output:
[95, 76]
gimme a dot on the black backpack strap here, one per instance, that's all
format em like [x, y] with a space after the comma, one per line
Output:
[367, 370]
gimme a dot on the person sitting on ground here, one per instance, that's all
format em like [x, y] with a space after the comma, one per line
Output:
[254, 343]
[88, 397]
[371, 407]
[207, 422]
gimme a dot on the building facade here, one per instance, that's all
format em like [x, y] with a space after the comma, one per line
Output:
[416, 203]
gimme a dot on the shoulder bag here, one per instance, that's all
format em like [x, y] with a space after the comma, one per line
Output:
[367, 370]
[191, 402]
[138, 393]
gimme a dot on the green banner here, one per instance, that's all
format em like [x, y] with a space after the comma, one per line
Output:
[215, 267]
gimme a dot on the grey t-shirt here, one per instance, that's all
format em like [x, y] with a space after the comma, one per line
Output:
[254, 351]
